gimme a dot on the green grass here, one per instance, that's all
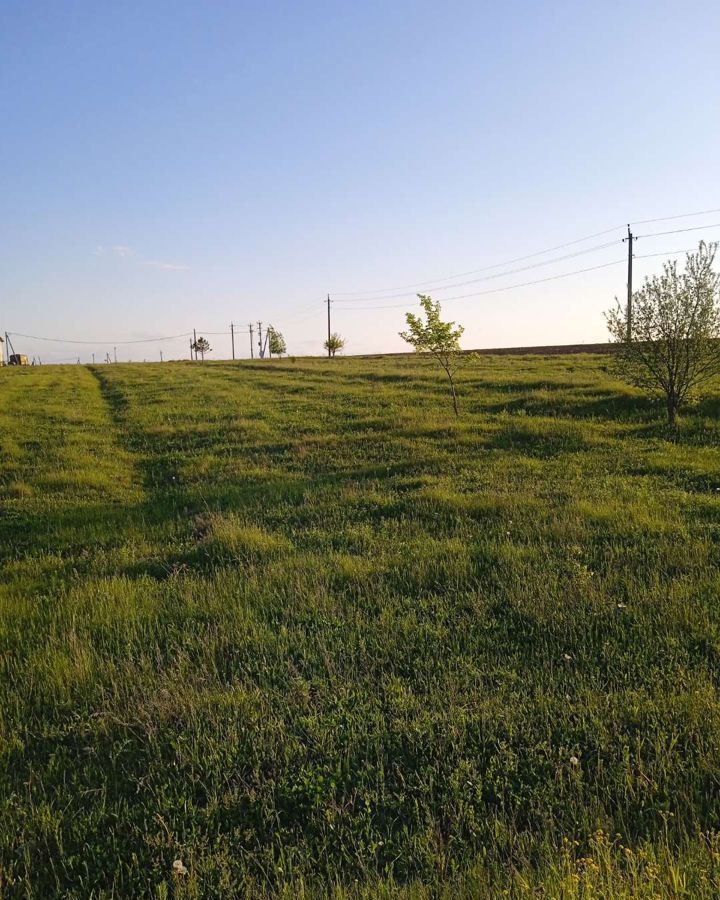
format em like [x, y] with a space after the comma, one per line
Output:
[294, 624]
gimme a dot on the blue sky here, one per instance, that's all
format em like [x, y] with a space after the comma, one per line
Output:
[165, 166]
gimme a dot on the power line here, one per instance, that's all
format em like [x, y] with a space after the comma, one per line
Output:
[507, 262]
[316, 309]
[680, 230]
[667, 253]
[34, 337]
[430, 281]
[509, 287]
[530, 283]
[703, 212]
[536, 265]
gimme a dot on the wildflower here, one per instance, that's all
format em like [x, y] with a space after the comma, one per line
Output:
[567, 657]
[179, 868]
[574, 761]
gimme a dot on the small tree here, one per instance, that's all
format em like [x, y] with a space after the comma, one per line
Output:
[674, 346]
[276, 343]
[202, 346]
[334, 344]
[438, 339]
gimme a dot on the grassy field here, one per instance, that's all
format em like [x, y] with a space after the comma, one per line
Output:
[293, 624]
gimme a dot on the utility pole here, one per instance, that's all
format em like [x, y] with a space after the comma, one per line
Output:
[630, 238]
[260, 346]
[161, 359]
[115, 353]
[252, 347]
[93, 359]
[195, 343]
[328, 342]
[191, 352]
[232, 339]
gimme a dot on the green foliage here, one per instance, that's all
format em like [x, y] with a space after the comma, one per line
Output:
[307, 635]
[432, 335]
[202, 346]
[334, 344]
[439, 339]
[276, 343]
[675, 326]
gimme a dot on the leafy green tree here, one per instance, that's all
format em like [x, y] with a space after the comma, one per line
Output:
[674, 346]
[202, 346]
[438, 339]
[276, 343]
[334, 344]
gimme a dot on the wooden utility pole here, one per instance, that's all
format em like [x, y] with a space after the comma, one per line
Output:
[630, 238]
[252, 347]
[195, 343]
[260, 346]
[115, 353]
[93, 359]
[328, 340]
[191, 350]
[161, 359]
[232, 339]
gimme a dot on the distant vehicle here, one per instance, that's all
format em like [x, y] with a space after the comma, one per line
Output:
[18, 359]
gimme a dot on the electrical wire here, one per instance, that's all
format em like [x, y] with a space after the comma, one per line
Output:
[509, 287]
[536, 265]
[226, 333]
[530, 283]
[34, 337]
[431, 281]
[678, 231]
[665, 253]
[703, 212]
[507, 262]
[372, 295]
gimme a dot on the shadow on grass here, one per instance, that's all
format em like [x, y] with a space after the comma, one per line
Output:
[607, 406]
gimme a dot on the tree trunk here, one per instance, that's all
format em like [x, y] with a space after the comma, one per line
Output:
[672, 406]
[454, 395]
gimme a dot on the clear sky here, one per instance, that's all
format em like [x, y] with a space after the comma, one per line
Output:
[170, 165]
